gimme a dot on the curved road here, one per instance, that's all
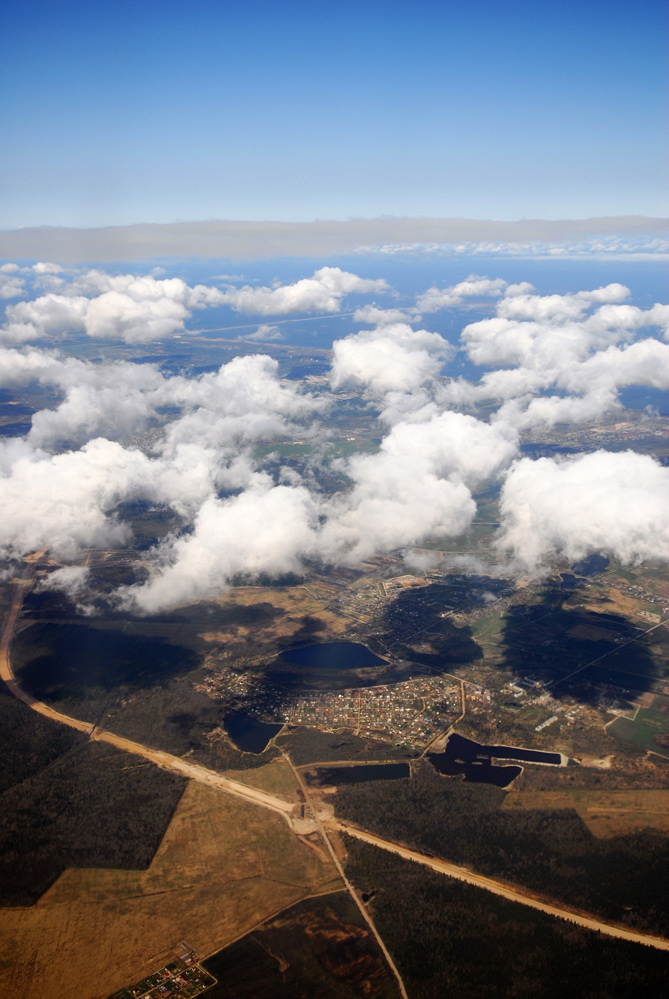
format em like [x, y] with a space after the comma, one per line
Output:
[166, 761]
[195, 771]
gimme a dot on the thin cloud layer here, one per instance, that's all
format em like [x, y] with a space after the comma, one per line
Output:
[622, 235]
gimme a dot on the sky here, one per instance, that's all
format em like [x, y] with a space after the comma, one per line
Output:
[340, 137]
[167, 110]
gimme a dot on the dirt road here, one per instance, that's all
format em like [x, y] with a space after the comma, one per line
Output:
[366, 915]
[505, 891]
[195, 771]
[6, 670]
[166, 761]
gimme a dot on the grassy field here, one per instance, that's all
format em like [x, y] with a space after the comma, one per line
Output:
[488, 629]
[606, 813]
[224, 866]
[602, 599]
[650, 728]
[291, 605]
[276, 777]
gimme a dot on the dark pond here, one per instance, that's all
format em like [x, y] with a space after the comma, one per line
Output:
[332, 655]
[475, 771]
[325, 776]
[249, 734]
[474, 761]
[525, 755]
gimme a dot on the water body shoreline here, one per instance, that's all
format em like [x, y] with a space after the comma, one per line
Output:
[473, 761]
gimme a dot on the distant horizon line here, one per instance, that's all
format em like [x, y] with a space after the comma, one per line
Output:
[243, 239]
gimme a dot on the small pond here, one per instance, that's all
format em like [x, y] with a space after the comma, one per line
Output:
[247, 733]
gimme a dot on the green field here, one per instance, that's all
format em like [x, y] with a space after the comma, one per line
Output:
[649, 724]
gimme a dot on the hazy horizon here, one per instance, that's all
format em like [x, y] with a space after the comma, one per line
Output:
[248, 239]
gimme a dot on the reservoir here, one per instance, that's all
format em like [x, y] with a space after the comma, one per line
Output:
[325, 776]
[474, 761]
[336, 666]
[524, 755]
[249, 734]
[332, 656]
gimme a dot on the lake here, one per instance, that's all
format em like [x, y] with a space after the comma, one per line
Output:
[343, 665]
[247, 733]
[474, 761]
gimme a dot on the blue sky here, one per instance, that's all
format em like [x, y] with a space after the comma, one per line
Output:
[164, 110]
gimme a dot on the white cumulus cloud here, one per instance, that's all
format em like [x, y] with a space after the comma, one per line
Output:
[472, 287]
[323, 292]
[600, 502]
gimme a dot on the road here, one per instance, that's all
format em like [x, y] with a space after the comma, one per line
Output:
[7, 675]
[166, 761]
[504, 890]
[366, 915]
[195, 771]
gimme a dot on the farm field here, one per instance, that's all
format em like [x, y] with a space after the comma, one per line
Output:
[276, 777]
[649, 730]
[222, 868]
[606, 813]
